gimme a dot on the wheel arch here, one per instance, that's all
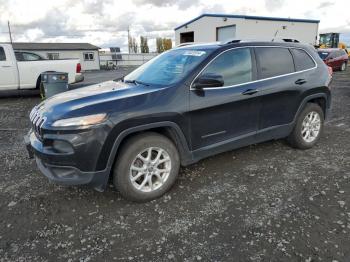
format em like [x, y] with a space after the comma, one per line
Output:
[320, 98]
[168, 129]
[38, 80]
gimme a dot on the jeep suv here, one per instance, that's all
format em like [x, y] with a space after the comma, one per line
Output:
[182, 106]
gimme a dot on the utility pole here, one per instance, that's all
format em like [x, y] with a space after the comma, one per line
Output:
[8, 24]
[129, 38]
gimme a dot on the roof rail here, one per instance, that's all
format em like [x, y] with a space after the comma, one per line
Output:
[197, 43]
[185, 44]
[289, 40]
[230, 41]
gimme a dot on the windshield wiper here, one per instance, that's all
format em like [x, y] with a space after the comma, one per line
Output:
[136, 82]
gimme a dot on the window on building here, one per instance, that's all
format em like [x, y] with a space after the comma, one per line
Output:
[53, 56]
[89, 56]
[186, 37]
[302, 60]
[2, 54]
[235, 66]
[274, 61]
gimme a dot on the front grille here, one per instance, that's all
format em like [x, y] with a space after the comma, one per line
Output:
[37, 121]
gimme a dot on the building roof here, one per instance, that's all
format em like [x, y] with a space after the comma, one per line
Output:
[54, 46]
[250, 18]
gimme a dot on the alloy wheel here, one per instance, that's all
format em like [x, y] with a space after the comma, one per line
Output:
[150, 169]
[311, 127]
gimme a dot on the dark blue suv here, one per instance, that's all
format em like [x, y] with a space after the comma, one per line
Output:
[184, 105]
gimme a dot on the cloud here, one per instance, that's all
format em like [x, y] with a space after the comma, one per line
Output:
[216, 8]
[325, 4]
[105, 23]
[274, 4]
[159, 3]
[162, 3]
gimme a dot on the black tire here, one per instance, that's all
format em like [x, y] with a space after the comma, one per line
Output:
[126, 157]
[343, 66]
[295, 139]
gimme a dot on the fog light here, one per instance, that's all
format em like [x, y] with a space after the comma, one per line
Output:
[62, 146]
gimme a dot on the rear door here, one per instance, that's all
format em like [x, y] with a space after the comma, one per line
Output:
[219, 114]
[8, 70]
[279, 88]
[332, 60]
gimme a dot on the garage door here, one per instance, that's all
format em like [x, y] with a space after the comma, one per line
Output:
[225, 33]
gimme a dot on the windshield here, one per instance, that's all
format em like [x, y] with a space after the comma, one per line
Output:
[323, 55]
[168, 68]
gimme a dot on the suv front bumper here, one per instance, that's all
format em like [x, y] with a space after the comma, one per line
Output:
[71, 176]
[69, 168]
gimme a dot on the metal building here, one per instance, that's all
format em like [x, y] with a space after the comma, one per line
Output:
[87, 53]
[221, 27]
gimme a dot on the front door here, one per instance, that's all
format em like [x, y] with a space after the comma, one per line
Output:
[8, 71]
[221, 114]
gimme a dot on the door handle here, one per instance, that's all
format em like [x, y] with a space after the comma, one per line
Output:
[250, 92]
[5, 66]
[300, 82]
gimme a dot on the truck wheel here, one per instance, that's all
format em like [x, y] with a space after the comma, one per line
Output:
[308, 127]
[343, 66]
[147, 167]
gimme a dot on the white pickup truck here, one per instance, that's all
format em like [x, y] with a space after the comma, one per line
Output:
[22, 70]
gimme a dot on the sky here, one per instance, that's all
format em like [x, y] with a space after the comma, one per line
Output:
[105, 23]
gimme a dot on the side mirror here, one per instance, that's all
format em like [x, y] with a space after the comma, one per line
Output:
[209, 80]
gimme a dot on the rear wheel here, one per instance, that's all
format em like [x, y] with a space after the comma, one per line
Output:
[308, 127]
[147, 167]
[343, 66]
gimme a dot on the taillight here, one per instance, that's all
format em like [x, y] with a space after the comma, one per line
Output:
[78, 68]
[330, 71]
[330, 77]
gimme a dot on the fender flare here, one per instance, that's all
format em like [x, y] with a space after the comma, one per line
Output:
[307, 99]
[181, 142]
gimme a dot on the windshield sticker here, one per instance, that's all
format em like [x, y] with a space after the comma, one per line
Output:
[194, 53]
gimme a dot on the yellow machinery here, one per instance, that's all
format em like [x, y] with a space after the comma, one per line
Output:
[331, 40]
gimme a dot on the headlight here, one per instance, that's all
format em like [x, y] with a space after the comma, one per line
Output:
[81, 121]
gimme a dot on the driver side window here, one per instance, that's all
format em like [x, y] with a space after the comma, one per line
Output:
[235, 66]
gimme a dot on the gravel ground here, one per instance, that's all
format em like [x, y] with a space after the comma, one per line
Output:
[265, 202]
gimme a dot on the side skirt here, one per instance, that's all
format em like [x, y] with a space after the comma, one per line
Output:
[271, 133]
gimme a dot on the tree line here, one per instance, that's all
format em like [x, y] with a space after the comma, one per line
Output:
[162, 44]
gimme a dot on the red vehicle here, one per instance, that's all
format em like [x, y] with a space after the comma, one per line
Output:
[335, 58]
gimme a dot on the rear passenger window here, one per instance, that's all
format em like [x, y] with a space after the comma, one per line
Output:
[2, 54]
[235, 66]
[274, 61]
[302, 60]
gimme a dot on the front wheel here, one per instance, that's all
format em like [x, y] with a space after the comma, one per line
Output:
[147, 167]
[343, 66]
[308, 127]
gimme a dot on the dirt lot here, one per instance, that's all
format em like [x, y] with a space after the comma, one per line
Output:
[266, 202]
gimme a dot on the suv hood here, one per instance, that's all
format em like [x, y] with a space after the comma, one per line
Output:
[99, 98]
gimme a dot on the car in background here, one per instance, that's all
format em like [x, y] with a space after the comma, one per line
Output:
[22, 70]
[335, 58]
